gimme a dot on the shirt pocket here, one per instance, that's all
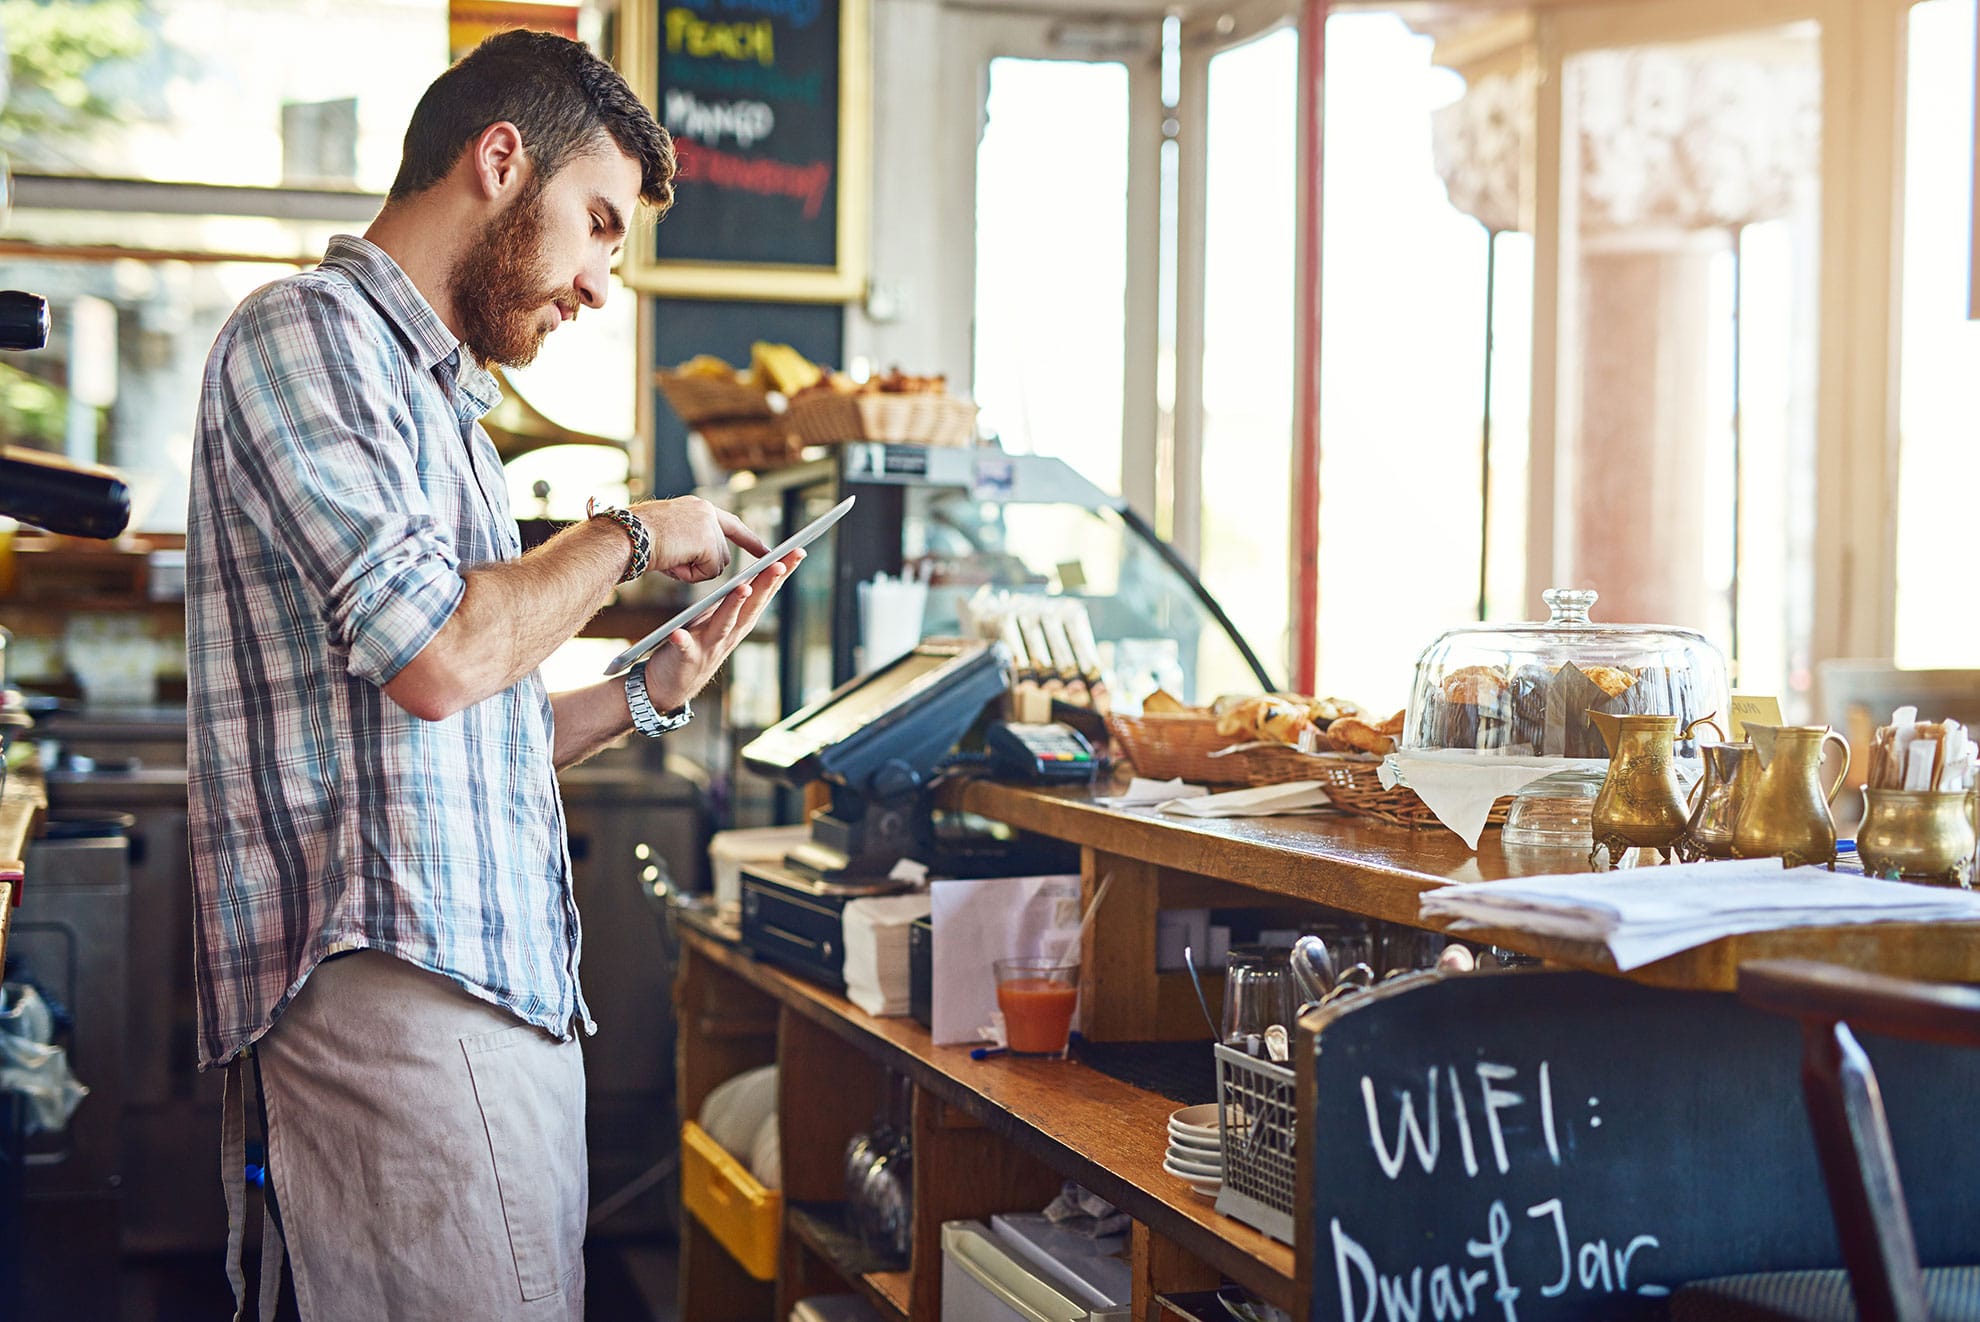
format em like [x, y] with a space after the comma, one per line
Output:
[530, 1089]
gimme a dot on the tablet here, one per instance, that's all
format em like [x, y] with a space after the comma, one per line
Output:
[804, 536]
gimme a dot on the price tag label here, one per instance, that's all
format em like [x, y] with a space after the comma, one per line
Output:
[1759, 709]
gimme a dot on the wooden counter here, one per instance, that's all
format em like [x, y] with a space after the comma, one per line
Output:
[998, 1134]
[1379, 871]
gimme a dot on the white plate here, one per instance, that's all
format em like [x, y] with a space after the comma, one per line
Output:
[804, 536]
[1195, 1117]
[1206, 1188]
[1179, 1163]
[1196, 1142]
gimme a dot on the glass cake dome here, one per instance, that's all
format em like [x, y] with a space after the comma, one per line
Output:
[1524, 690]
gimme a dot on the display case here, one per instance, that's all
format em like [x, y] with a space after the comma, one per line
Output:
[960, 520]
[1530, 690]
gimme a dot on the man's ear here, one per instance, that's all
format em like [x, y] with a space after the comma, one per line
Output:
[497, 164]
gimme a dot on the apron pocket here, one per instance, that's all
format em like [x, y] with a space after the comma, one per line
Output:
[530, 1092]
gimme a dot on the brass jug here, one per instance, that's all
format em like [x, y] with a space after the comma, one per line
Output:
[1786, 813]
[1641, 802]
[1921, 834]
[1717, 798]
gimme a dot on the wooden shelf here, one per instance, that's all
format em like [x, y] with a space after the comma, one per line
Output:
[1380, 871]
[822, 1228]
[890, 1290]
[1086, 1125]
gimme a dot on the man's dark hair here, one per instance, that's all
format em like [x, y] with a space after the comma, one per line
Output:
[559, 94]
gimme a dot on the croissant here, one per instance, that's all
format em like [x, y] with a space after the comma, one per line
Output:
[1357, 734]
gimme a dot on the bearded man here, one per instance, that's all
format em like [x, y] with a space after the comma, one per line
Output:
[386, 931]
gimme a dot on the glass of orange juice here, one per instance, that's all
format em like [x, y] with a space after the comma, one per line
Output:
[1037, 995]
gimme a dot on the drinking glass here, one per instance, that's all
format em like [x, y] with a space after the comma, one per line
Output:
[1258, 993]
[1038, 995]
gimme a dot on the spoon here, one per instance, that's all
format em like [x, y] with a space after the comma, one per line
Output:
[1313, 966]
[1190, 960]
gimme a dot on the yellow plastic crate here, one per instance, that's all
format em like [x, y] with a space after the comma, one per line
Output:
[746, 1217]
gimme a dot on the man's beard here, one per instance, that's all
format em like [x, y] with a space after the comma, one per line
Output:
[497, 288]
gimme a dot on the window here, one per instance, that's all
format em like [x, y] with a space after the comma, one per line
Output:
[1248, 336]
[1051, 263]
[1402, 369]
[1938, 463]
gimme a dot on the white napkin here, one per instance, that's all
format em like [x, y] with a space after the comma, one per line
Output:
[1643, 916]
[1259, 801]
[1460, 785]
[1142, 790]
[876, 946]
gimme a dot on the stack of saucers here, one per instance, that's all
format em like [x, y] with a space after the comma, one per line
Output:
[1196, 1154]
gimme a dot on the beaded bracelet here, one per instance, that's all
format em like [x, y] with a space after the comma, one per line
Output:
[642, 541]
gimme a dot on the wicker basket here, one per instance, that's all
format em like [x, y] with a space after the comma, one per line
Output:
[1165, 746]
[701, 399]
[752, 444]
[824, 418]
[1186, 745]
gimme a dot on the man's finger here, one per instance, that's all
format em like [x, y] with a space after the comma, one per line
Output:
[703, 567]
[738, 532]
[767, 584]
[723, 618]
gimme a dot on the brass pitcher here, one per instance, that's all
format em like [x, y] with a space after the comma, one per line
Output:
[1641, 802]
[1716, 800]
[1786, 813]
[1919, 834]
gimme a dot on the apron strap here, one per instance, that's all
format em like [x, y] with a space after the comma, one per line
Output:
[233, 1177]
[233, 1183]
[273, 1253]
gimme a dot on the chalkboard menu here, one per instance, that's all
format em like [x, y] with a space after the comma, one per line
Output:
[767, 102]
[1565, 1146]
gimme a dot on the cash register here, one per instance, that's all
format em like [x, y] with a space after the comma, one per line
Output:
[879, 743]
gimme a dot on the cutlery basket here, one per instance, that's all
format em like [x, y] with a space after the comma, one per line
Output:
[1257, 1113]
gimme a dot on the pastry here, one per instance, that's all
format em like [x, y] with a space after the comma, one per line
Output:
[1477, 686]
[1284, 722]
[1241, 717]
[1164, 703]
[1353, 733]
[1324, 710]
[1612, 680]
[1392, 726]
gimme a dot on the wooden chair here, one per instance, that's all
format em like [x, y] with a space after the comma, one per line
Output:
[1853, 1143]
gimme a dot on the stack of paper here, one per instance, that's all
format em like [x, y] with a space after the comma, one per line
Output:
[1646, 914]
[876, 968]
[1141, 790]
[1260, 801]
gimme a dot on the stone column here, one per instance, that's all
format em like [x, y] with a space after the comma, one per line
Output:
[1675, 148]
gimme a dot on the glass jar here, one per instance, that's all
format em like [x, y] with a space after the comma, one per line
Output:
[1524, 690]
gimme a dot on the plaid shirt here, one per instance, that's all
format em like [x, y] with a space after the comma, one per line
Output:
[341, 479]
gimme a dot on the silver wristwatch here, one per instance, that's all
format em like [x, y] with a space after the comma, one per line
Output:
[646, 720]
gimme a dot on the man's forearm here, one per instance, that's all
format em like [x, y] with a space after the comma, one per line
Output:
[588, 719]
[510, 618]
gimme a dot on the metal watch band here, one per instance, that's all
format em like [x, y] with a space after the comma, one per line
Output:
[642, 541]
[646, 719]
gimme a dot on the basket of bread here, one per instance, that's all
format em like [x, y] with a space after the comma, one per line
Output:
[1271, 739]
[893, 406]
[741, 414]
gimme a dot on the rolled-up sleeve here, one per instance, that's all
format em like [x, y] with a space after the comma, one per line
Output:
[324, 459]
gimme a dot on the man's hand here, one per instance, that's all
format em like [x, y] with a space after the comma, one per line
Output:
[691, 538]
[686, 661]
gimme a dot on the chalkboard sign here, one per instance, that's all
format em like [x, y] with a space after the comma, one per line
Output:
[768, 102]
[1544, 1146]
